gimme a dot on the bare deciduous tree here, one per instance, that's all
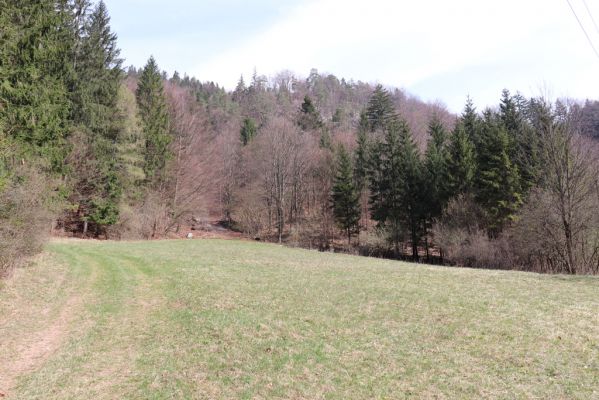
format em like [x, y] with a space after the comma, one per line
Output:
[559, 227]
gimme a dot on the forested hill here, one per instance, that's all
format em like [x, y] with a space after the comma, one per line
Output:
[89, 148]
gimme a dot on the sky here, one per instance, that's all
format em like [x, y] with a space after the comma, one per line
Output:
[436, 50]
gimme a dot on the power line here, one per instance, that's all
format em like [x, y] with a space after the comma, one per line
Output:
[583, 30]
[591, 15]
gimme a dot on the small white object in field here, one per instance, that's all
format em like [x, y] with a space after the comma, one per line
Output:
[190, 235]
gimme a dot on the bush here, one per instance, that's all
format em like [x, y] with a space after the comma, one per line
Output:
[375, 242]
[463, 241]
[541, 243]
[25, 217]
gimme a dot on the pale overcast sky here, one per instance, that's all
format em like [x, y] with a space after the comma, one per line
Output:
[436, 50]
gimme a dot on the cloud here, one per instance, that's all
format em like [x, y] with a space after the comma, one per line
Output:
[413, 44]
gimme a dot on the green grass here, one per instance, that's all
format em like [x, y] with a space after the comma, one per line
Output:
[230, 319]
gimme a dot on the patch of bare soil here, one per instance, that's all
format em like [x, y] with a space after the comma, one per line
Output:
[208, 230]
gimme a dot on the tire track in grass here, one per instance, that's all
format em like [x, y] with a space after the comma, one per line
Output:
[36, 346]
[99, 361]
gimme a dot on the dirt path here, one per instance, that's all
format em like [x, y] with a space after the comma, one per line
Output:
[41, 331]
[37, 347]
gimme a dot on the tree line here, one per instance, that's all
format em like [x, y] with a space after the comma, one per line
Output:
[90, 148]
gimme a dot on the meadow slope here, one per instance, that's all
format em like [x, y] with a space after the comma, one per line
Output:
[209, 319]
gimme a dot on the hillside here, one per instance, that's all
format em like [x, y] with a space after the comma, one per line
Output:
[236, 319]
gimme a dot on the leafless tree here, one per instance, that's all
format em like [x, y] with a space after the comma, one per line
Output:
[278, 145]
[559, 228]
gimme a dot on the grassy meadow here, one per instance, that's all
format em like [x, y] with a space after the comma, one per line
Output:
[217, 319]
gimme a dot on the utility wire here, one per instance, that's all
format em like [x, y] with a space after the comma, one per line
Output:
[583, 30]
[591, 15]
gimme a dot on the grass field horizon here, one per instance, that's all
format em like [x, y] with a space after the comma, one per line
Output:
[207, 319]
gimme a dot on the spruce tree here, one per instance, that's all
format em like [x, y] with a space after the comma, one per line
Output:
[385, 184]
[345, 196]
[497, 178]
[396, 185]
[523, 141]
[471, 123]
[153, 113]
[36, 44]
[412, 192]
[380, 112]
[248, 131]
[240, 90]
[361, 160]
[461, 165]
[436, 173]
[98, 77]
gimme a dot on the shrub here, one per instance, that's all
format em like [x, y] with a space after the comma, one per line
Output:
[463, 241]
[26, 217]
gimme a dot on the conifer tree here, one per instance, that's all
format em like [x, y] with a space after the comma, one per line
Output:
[436, 174]
[471, 123]
[154, 117]
[461, 165]
[523, 142]
[248, 131]
[35, 47]
[385, 183]
[412, 192]
[345, 196]
[396, 185]
[497, 178]
[380, 111]
[361, 160]
[95, 93]
[361, 166]
[98, 77]
[176, 78]
[309, 117]
[325, 139]
[240, 90]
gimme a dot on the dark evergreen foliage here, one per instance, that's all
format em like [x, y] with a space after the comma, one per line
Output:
[154, 116]
[248, 131]
[309, 118]
[345, 196]
[380, 111]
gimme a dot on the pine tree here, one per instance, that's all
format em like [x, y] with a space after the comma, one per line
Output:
[497, 178]
[176, 78]
[154, 117]
[345, 196]
[248, 131]
[380, 112]
[461, 166]
[240, 90]
[309, 118]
